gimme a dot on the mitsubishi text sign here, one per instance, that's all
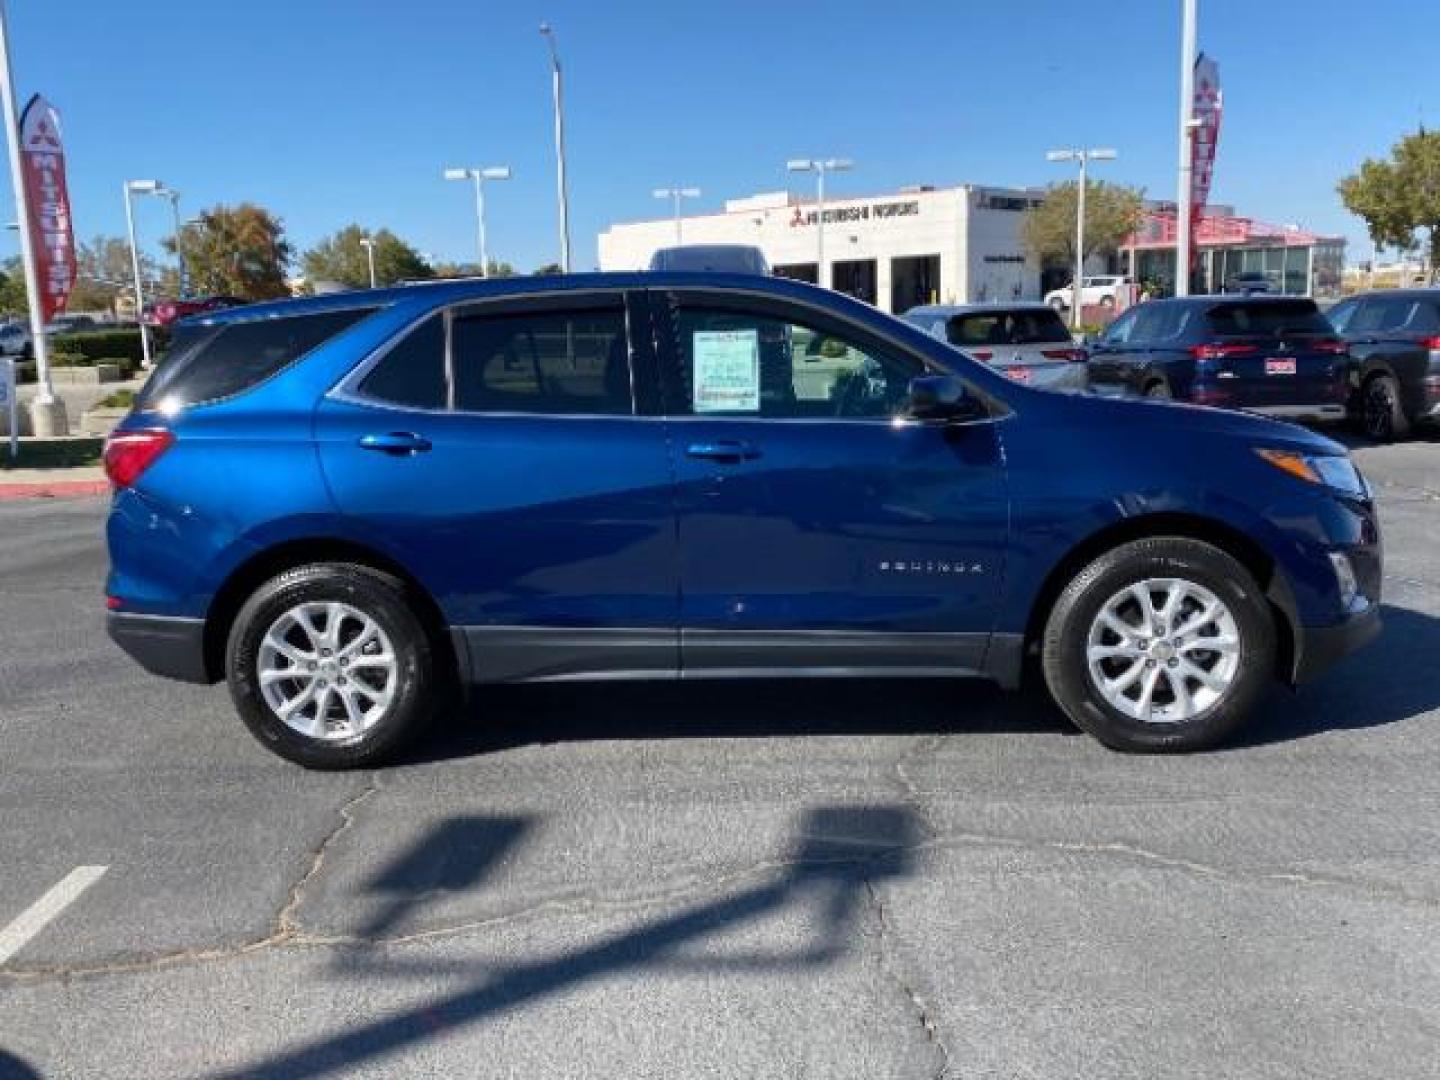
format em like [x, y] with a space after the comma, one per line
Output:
[1205, 108]
[52, 237]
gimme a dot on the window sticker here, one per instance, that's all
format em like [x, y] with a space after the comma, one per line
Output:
[727, 371]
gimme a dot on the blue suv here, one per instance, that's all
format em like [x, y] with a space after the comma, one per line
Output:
[349, 505]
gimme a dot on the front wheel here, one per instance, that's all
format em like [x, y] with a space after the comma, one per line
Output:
[1162, 644]
[329, 666]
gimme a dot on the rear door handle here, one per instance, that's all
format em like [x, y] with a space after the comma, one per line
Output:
[724, 450]
[397, 443]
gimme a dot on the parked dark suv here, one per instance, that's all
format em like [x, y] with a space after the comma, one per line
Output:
[1394, 342]
[1274, 355]
[345, 504]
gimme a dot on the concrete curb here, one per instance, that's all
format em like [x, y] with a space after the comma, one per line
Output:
[53, 489]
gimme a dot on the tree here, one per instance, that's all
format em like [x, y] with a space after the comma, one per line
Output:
[103, 273]
[341, 258]
[548, 268]
[470, 269]
[13, 296]
[1112, 212]
[1400, 196]
[237, 251]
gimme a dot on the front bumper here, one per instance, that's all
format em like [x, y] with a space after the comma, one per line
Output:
[173, 648]
[1318, 648]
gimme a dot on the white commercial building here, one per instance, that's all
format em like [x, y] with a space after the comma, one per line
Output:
[918, 246]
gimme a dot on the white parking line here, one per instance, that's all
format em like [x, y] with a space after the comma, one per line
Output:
[40, 914]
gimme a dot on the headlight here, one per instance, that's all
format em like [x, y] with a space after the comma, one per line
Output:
[1330, 470]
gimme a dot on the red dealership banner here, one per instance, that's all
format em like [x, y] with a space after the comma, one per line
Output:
[1205, 108]
[52, 236]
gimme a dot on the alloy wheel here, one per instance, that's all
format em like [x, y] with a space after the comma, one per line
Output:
[1163, 650]
[327, 670]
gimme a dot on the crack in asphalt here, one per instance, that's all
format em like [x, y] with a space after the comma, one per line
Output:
[896, 975]
[285, 928]
[288, 934]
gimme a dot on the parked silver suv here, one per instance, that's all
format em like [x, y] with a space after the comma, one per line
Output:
[1027, 342]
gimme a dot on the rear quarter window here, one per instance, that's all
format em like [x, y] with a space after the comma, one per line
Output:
[207, 363]
[1268, 319]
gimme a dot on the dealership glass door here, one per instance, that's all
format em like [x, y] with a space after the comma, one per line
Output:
[798, 272]
[914, 280]
[854, 278]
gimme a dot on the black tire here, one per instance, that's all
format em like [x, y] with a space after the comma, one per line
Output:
[1159, 390]
[1382, 415]
[1064, 647]
[378, 596]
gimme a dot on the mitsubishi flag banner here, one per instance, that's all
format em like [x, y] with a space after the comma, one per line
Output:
[52, 237]
[1205, 134]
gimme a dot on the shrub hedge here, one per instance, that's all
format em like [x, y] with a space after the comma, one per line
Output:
[96, 345]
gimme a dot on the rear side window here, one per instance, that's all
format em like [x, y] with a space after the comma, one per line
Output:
[1160, 322]
[1271, 318]
[545, 362]
[207, 363]
[412, 373]
[986, 329]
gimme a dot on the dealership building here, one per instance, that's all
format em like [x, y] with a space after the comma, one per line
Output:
[964, 244]
[916, 246]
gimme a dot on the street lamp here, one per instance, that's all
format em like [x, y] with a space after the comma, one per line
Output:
[563, 193]
[369, 246]
[820, 167]
[479, 176]
[173, 197]
[1084, 157]
[132, 188]
[677, 193]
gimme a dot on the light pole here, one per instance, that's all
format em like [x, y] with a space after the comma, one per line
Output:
[47, 411]
[1187, 148]
[820, 167]
[132, 188]
[493, 172]
[677, 193]
[369, 246]
[562, 188]
[174, 199]
[1084, 157]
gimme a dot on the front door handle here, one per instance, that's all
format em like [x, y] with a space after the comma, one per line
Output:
[724, 450]
[397, 443]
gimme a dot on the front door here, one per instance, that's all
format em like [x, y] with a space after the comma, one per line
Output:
[818, 528]
[517, 483]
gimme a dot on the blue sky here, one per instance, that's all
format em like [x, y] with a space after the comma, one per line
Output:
[329, 112]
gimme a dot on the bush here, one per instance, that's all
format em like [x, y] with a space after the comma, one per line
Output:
[70, 359]
[120, 399]
[97, 344]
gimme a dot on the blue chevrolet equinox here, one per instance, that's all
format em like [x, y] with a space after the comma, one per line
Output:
[348, 506]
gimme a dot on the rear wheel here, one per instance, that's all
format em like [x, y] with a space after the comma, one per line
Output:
[1162, 644]
[1159, 389]
[329, 666]
[1382, 415]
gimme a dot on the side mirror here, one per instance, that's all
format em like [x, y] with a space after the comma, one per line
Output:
[942, 397]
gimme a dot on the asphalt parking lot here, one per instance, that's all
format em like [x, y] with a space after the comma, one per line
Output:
[818, 880]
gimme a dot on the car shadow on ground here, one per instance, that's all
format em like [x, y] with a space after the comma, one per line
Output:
[1394, 678]
[837, 854]
[504, 717]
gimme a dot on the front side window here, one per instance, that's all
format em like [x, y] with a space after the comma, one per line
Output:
[741, 364]
[558, 362]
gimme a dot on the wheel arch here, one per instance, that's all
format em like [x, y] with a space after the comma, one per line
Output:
[1229, 539]
[249, 575]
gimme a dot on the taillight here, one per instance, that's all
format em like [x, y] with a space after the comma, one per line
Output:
[983, 355]
[1219, 351]
[1074, 355]
[130, 453]
[1431, 343]
[1329, 346]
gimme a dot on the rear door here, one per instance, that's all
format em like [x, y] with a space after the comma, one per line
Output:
[818, 528]
[498, 453]
[1277, 352]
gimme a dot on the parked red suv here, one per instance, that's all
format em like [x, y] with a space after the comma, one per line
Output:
[165, 312]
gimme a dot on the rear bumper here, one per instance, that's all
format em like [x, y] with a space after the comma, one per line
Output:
[163, 645]
[1320, 648]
